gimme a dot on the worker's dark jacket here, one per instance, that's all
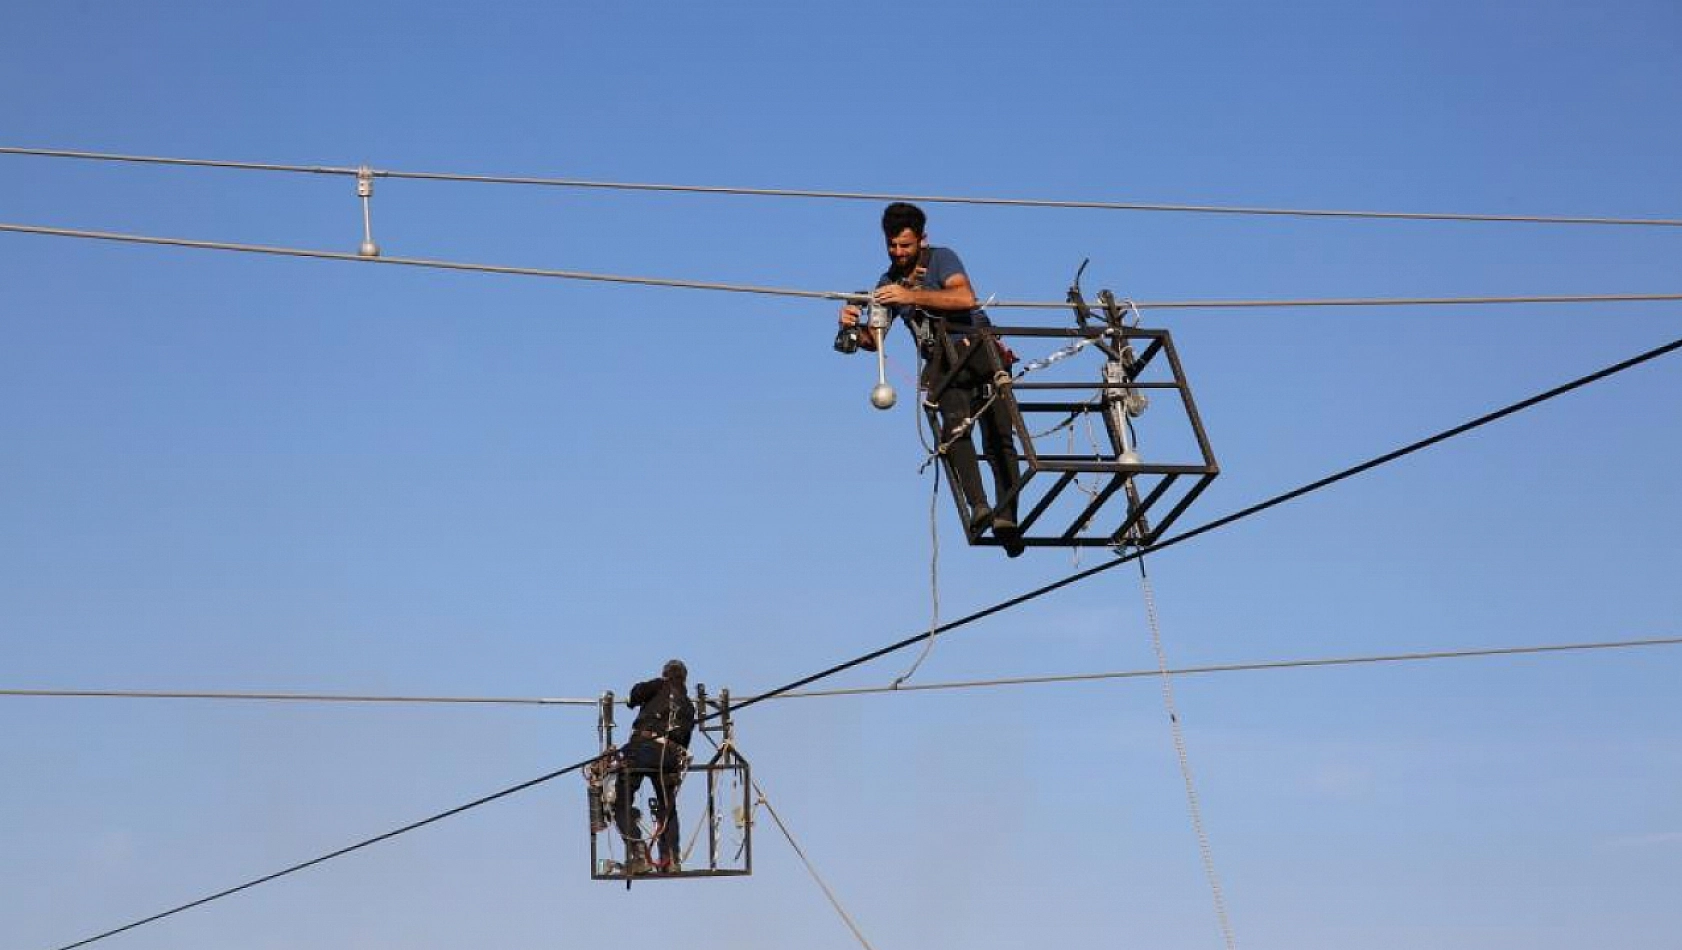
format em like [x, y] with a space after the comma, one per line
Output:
[666, 713]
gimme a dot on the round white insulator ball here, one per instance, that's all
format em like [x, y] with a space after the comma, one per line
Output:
[882, 396]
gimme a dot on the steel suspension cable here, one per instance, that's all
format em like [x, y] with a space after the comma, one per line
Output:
[331, 855]
[812, 869]
[1307, 663]
[1049, 679]
[836, 295]
[960, 622]
[1226, 520]
[297, 697]
[422, 262]
[1356, 302]
[580, 183]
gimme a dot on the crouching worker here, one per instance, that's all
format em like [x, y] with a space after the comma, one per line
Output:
[658, 750]
[927, 287]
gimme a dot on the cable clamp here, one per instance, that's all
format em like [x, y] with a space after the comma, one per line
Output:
[365, 191]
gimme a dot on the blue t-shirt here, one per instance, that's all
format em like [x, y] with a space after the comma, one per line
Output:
[943, 263]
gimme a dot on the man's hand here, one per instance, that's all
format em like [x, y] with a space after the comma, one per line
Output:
[850, 315]
[894, 294]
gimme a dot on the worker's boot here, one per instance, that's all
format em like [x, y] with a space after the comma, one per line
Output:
[636, 858]
[1008, 532]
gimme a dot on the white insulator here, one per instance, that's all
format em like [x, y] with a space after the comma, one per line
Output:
[1130, 457]
[368, 249]
[882, 396]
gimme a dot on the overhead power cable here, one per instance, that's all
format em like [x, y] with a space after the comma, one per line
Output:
[1353, 302]
[836, 295]
[1229, 519]
[1244, 667]
[965, 620]
[332, 854]
[580, 183]
[1259, 665]
[422, 262]
[298, 697]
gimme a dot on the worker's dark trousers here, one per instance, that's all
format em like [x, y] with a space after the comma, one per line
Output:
[663, 766]
[961, 399]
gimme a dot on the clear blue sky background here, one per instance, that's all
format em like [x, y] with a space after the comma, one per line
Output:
[232, 472]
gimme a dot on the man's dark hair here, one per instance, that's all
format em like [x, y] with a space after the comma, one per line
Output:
[675, 672]
[899, 216]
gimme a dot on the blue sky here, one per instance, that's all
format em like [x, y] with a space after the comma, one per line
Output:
[230, 472]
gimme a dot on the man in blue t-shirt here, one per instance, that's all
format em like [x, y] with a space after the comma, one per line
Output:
[927, 288]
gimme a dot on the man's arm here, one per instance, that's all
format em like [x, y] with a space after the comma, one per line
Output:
[643, 692]
[954, 294]
[850, 314]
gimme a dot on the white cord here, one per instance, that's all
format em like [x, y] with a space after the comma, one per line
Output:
[934, 566]
[1185, 761]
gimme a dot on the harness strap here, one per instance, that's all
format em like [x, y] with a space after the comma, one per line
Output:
[912, 281]
[915, 277]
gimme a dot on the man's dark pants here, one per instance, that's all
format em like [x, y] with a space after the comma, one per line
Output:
[960, 400]
[663, 765]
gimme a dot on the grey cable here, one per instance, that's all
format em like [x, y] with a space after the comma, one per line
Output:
[1360, 301]
[800, 852]
[579, 183]
[297, 697]
[1242, 667]
[1260, 665]
[420, 262]
[1129, 674]
[196, 162]
[811, 869]
[838, 295]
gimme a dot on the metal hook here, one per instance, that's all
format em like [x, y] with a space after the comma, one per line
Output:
[1129, 307]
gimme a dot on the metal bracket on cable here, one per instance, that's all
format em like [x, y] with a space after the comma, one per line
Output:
[1132, 361]
[365, 191]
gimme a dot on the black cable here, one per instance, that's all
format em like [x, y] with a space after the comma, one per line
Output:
[1229, 519]
[328, 857]
[962, 621]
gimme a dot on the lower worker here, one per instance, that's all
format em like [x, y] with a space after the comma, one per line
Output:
[659, 751]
